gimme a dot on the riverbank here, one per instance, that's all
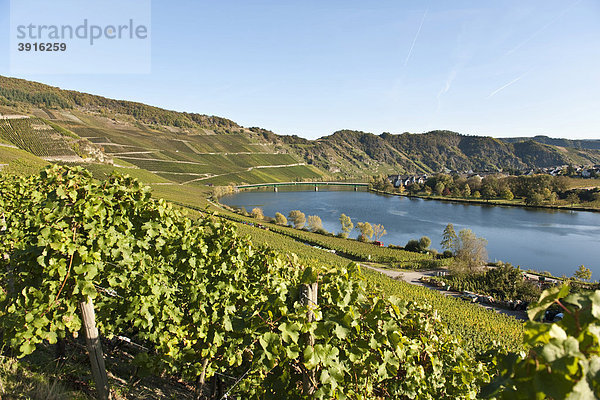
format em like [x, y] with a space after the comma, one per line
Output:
[415, 278]
[494, 202]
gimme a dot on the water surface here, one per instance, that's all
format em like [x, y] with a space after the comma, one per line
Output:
[541, 239]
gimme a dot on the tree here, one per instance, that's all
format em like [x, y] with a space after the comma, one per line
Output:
[314, 223]
[347, 225]
[366, 231]
[449, 239]
[534, 199]
[379, 231]
[297, 218]
[471, 254]
[487, 191]
[507, 194]
[412, 245]
[583, 274]
[424, 243]
[280, 219]
[439, 188]
[418, 245]
[476, 194]
[467, 190]
[572, 198]
[546, 193]
[257, 213]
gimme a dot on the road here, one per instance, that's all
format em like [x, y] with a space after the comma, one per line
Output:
[413, 277]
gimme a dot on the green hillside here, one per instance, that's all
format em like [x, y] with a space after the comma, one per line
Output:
[576, 144]
[195, 149]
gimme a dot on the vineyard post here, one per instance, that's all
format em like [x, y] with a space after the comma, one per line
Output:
[94, 347]
[308, 297]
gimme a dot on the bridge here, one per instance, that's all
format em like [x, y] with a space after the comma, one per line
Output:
[316, 185]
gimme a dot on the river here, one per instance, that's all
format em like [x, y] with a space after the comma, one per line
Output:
[540, 239]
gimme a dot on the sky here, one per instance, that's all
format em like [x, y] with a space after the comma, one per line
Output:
[495, 68]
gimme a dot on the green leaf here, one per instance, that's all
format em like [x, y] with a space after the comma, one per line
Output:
[309, 275]
[26, 348]
[290, 331]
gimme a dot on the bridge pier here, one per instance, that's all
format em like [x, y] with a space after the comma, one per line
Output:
[355, 188]
[316, 188]
[275, 188]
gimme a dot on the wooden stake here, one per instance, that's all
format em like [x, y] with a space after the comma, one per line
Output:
[308, 297]
[94, 348]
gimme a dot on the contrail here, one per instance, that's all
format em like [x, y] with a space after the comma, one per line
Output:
[446, 87]
[416, 37]
[543, 28]
[507, 85]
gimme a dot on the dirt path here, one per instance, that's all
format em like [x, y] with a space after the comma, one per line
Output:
[413, 277]
[245, 170]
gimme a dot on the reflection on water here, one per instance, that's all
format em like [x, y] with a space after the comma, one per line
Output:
[550, 240]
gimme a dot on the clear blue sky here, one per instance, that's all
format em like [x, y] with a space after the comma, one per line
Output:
[498, 68]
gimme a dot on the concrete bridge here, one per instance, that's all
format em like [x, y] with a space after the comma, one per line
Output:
[316, 185]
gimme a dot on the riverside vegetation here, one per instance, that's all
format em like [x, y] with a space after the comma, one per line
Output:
[537, 190]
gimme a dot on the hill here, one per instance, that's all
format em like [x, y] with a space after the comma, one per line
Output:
[197, 149]
[576, 144]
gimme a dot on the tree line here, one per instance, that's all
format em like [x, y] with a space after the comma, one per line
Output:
[313, 223]
[533, 190]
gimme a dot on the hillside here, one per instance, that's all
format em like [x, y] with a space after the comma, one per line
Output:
[432, 152]
[196, 149]
[576, 144]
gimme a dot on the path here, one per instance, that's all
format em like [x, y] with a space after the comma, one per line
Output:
[413, 277]
[245, 170]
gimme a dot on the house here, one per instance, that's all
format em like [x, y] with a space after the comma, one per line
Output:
[407, 180]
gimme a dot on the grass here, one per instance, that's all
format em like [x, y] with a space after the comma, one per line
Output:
[578, 183]
[40, 379]
[267, 175]
[20, 162]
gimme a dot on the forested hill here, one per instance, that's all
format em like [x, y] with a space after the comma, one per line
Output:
[200, 149]
[577, 144]
[434, 151]
[19, 91]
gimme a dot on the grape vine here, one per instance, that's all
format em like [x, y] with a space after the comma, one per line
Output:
[204, 300]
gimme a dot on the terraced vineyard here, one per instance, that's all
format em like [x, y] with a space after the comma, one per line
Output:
[220, 158]
[36, 137]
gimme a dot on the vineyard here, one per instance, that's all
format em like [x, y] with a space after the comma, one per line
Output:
[353, 249]
[183, 158]
[19, 162]
[478, 328]
[229, 308]
[36, 137]
[239, 320]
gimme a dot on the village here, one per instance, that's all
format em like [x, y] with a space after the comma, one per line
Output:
[582, 171]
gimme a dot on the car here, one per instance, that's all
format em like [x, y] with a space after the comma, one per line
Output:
[378, 243]
[558, 317]
[472, 298]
